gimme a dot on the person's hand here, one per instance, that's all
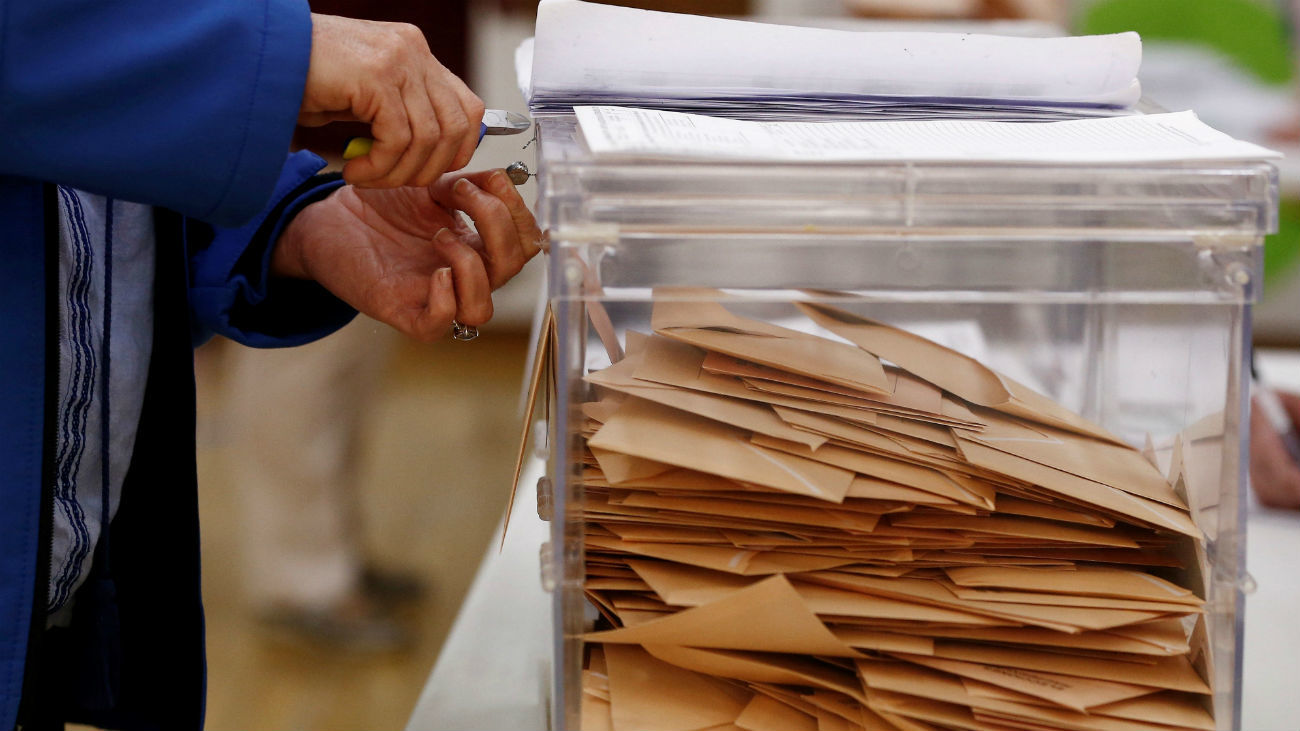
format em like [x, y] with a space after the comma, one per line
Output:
[424, 120]
[1274, 475]
[405, 256]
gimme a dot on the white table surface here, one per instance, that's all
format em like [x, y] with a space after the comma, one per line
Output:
[493, 672]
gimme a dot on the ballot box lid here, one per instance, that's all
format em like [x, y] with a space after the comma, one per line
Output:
[1205, 199]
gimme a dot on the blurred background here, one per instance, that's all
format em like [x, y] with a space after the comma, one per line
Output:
[349, 489]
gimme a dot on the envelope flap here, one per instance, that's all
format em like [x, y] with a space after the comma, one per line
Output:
[946, 368]
[768, 616]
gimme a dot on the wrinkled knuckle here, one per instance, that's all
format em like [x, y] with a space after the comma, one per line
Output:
[475, 107]
[440, 317]
[388, 56]
[410, 36]
[464, 256]
[456, 127]
[399, 135]
[423, 139]
[497, 209]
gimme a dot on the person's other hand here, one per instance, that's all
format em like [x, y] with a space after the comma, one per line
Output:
[1274, 476]
[423, 118]
[405, 256]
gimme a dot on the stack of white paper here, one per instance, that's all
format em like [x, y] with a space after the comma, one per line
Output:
[586, 53]
[617, 132]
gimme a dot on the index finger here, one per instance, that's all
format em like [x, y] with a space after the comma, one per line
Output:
[497, 184]
[508, 228]
[391, 130]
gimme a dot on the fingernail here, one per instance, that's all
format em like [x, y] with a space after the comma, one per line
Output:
[498, 179]
[461, 187]
[444, 234]
[443, 277]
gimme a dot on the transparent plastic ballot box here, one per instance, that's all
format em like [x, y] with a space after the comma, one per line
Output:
[942, 425]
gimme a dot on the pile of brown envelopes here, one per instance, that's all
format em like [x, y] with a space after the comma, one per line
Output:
[786, 532]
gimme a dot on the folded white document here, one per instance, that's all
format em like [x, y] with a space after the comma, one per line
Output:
[586, 53]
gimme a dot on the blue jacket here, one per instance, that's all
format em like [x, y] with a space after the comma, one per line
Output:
[188, 106]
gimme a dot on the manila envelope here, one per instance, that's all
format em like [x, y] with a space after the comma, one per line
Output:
[595, 714]
[1034, 509]
[866, 639]
[1070, 600]
[652, 431]
[1165, 708]
[784, 695]
[761, 667]
[868, 438]
[1080, 490]
[753, 510]
[620, 468]
[688, 586]
[720, 558]
[1170, 673]
[1167, 636]
[1120, 467]
[937, 433]
[605, 583]
[846, 714]
[943, 699]
[958, 374]
[670, 363]
[847, 605]
[949, 413]
[768, 714]
[914, 692]
[906, 724]
[664, 533]
[1016, 526]
[768, 616]
[711, 326]
[1044, 555]
[985, 690]
[686, 480]
[751, 415]
[1079, 694]
[601, 410]
[873, 507]
[1030, 718]
[883, 468]
[639, 682]
[726, 365]
[1106, 581]
[924, 591]
[906, 392]
[871, 488]
[1104, 640]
